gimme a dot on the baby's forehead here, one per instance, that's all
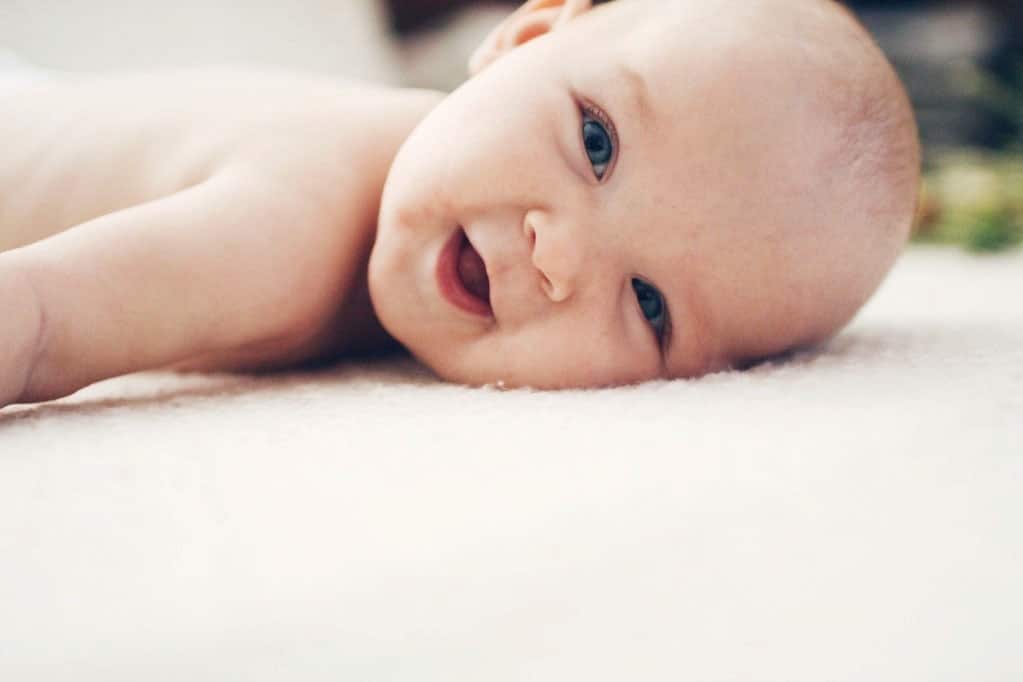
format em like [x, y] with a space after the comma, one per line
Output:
[652, 33]
[730, 68]
[635, 24]
[653, 41]
[699, 85]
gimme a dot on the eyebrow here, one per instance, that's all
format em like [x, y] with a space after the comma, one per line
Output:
[638, 90]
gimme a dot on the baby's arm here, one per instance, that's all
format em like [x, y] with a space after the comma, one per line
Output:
[231, 263]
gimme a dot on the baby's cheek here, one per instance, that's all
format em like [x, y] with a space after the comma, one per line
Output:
[550, 358]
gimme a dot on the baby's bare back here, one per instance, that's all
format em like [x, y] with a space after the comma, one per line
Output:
[218, 219]
[76, 149]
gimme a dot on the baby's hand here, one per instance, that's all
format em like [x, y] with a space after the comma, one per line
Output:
[19, 333]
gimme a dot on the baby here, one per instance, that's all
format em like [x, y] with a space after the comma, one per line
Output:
[648, 188]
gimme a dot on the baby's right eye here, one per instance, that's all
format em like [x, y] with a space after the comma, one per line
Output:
[598, 142]
[651, 304]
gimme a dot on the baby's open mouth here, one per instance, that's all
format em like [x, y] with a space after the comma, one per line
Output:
[462, 276]
[473, 271]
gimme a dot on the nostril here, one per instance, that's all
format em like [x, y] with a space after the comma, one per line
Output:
[554, 289]
[555, 292]
[530, 235]
[547, 285]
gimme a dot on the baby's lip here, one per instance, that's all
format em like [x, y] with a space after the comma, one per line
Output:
[459, 260]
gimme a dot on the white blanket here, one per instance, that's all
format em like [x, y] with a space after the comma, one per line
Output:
[852, 514]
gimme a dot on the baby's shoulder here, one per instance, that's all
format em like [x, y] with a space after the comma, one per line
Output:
[330, 140]
[326, 124]
[124, 139]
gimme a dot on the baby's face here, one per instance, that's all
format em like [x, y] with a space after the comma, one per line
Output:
[601, 205]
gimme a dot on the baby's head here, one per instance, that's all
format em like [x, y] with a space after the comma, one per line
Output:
[649, 188]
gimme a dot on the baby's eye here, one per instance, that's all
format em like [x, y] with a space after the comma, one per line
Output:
[651, 303]
[598, 144]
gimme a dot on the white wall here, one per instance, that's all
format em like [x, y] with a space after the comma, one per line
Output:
[347, 37]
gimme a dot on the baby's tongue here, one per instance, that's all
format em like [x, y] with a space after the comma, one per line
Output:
[473, 272]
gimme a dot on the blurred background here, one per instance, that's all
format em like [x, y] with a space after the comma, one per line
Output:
[962, 61]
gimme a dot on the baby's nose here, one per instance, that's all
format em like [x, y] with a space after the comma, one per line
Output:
[556, 254]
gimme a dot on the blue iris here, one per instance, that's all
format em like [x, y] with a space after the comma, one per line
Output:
[598, 142]
[599, 147]
[650, 302]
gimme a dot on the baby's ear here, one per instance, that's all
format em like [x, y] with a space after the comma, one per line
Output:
[533, 19]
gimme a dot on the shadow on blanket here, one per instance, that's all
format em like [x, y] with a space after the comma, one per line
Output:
[919, 352]
[148, 389]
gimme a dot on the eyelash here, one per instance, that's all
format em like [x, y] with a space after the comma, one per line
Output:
[593, 112]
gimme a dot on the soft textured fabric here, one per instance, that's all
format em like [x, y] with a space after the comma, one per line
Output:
[851, 514]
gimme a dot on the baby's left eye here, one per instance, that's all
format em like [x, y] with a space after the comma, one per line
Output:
[651, 303]
[598, 144]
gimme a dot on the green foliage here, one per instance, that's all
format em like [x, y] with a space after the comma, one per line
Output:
[974, 200]
[993, 232]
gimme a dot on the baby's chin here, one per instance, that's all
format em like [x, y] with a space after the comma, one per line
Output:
[522, 375]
